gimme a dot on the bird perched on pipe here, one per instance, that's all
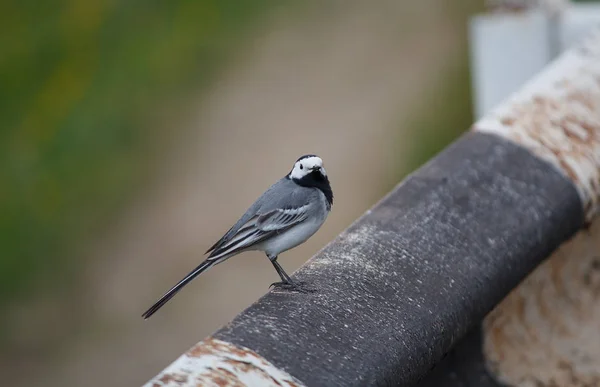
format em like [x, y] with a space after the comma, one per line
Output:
[283, 217]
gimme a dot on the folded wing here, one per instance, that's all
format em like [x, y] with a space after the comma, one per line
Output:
[259, 228]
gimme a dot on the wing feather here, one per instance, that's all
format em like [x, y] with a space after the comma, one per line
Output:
[259, 228]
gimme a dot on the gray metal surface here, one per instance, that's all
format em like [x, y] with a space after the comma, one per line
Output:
[464, 366]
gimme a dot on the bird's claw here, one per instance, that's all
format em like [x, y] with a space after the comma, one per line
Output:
[294, 286]
[283, 285]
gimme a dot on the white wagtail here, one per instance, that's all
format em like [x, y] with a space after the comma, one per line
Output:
[283, 217]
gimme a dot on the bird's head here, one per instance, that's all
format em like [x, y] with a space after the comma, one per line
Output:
[308, 171]
[308, 167]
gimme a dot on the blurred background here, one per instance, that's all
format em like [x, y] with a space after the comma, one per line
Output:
[134, 134]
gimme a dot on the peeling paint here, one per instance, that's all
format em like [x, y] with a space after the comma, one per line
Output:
[216, 363]
[545, 333]
[557, 117]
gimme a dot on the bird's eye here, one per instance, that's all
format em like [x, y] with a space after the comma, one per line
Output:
[301, 166]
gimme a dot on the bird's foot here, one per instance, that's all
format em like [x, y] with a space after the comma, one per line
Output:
[292, 286]
[284, 285]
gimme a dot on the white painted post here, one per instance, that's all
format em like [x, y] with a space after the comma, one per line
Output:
[513, 43]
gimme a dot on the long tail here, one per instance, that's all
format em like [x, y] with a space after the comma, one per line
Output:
[175, 289]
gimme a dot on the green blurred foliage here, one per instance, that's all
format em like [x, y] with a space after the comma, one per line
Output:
[450, 115]
[446, 112]
[78, 82]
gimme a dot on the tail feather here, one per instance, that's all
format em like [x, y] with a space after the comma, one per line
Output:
[175, 289]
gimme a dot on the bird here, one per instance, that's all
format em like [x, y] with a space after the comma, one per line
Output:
[286, 215]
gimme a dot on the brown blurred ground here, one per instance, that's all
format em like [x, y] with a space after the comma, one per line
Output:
[339, 84]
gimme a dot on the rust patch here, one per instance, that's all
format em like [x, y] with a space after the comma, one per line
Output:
[538, 100]
[568, 170]
[211, 346]
[508, 121]
[221, 377]
[179, 379]
[545, 332]
[556, 116]
[230, 375]
[581, 97]
[590, 128]
[219, 363]
[199, 350]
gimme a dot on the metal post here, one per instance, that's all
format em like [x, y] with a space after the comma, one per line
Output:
[517, 38]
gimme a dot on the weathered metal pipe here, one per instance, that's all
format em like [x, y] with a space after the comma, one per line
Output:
[547, 331]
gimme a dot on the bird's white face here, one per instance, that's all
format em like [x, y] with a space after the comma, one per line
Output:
[307, 165]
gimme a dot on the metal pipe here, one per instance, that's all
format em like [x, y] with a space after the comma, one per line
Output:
[545, 332]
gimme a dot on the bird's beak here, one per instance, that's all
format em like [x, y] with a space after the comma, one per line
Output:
[321, 170]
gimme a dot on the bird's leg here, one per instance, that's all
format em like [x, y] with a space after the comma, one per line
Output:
[286, 281]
